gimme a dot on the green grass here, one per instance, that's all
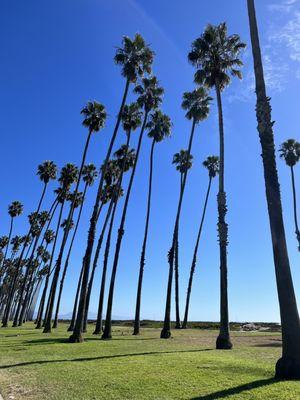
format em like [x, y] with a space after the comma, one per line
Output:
[38, 366]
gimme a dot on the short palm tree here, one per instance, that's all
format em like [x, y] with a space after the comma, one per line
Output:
[290, 152]
[197, 106]
[215, 54]
[150, 96]
[212, 165]
[287, 366]
[159, 128]
[135, 59]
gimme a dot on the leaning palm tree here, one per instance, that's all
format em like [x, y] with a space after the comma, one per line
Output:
[290, 152]
[159, 128]
[212, 165]
[288, 366]
[135, 58]
[14, 210]
[69, 175]
[197, 105]
[150, 97]
[47, 171]
[216, 57]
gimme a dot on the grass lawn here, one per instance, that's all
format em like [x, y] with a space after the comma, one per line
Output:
[38, 366]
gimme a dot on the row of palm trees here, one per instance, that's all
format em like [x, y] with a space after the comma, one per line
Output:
[42, 255]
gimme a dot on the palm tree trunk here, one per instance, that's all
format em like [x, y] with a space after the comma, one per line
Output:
[9, 237]
[107, 327]
[288, 366]
[223, 340]
[43, 297]
[67, 259]
[95, 263]
[72, 323]
[136, 329]
[295, 208]
[98, 327]
[77, 333]
[193, 266]
[166, 331]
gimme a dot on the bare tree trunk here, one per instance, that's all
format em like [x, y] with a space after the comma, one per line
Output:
[295, 208]
[288, 366]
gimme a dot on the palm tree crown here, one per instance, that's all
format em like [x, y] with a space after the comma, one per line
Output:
[94, 116]
[49, 236]
[197, 104]
[68, 175]
[212, 165]
[159, 126]
[89, 174]
[150, 93]
[131, 117]
[15, 209]
[216, 55]
[290, 152]
[135, 57]
[125, 158]
[47, 171]
[183, 161]
[3, 242]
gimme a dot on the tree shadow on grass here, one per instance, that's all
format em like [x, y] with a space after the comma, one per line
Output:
[22, 364]
[223, 394]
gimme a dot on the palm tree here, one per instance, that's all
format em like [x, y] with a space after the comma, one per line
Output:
[288, 365]
[212, 165]
[46, 171]
[197, 105]
[14, 210]
[131, 120]
[125, 161]
[159, 128]
[290, 152]
[150, 97]
[216, 57]
[69, 175]
[135, 58]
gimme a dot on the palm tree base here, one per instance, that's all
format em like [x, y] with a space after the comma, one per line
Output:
[38, 326]
[15, 324]
[47, 330]
[287, 368]
[96, 332]
[223, 343]
[106, 336]
[178, 325]
[136, 332]
[76, 338]
[184, 326]
[70, 329]
[5, 325]
[54, 326]
[165, 334]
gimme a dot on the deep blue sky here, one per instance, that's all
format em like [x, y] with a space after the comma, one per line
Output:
[57, 55]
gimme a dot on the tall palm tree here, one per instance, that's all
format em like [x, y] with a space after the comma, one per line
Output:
[288, 366]
[125, 161]
[215, 54]
[47, 171]
[69, 175]
[290, 152]
[150, 97]
[15, 209]
[131, 120]
[212, 165]
[135, 58]
[159, 128]
[197, 105]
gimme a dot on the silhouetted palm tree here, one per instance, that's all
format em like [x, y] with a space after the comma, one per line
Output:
[159, 128]
[290, 152]
[135, 58]
[14, 210]
[212, 165]
[197, 104]
[150, 97]
[288, 365]
[216, 57]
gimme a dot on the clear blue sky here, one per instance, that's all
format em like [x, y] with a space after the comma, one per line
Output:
[57, 55]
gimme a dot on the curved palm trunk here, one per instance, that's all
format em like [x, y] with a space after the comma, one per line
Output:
[295, 208]
[107, 327]
[194, 261]
[99, 322]
[136, 329]
[223, 341]
[166, 331]
[18, 267]
[43, 297]
[77, 333]
[95, 263]
[288, 366]
[67, 260]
